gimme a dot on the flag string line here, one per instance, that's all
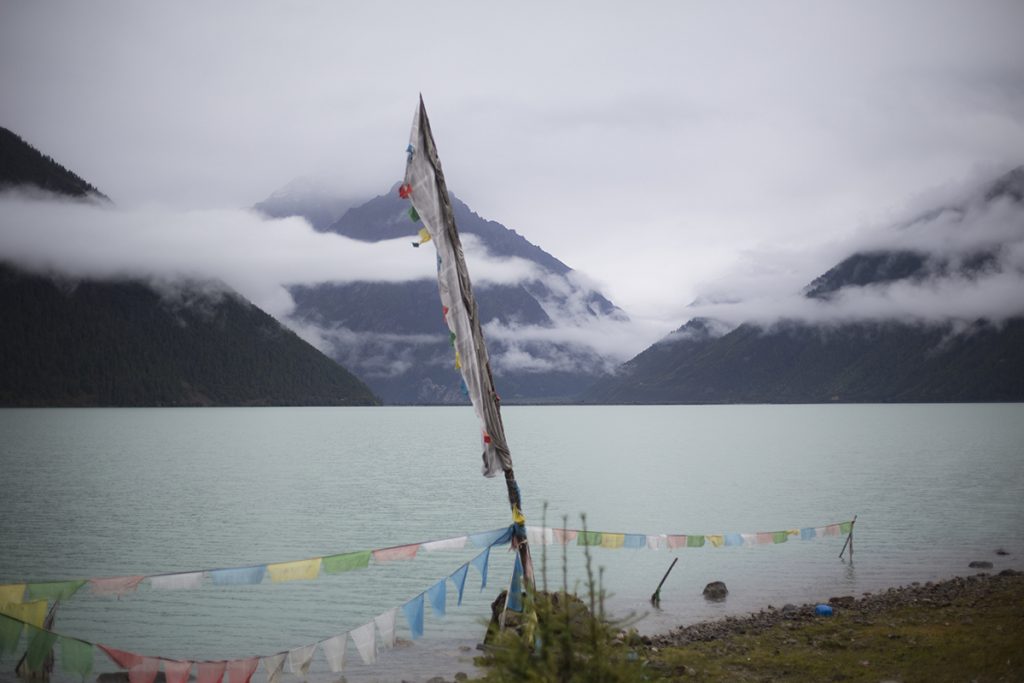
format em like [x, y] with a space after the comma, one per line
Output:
[135, 662]
[536, 535]
[483, 539]
[384, 624]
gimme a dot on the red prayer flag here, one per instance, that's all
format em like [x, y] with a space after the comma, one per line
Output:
[402, 552]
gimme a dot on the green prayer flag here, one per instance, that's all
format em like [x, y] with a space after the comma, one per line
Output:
[54, 590]
[589, 538]
[10, 634]
[413, 215]
[846, 527]
[694, 541]
[75, 656]
[345, 562]
[780, 536]
[40, 644]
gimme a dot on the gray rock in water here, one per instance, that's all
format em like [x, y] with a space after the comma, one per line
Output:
[715, 590]
[980, 564]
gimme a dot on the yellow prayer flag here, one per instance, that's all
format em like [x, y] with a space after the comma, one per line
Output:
[424, 236]
[458, 360]
[517, 515]
[612, 540]
[300, 570]
[717, 540]
[12, 594]
[30, 612]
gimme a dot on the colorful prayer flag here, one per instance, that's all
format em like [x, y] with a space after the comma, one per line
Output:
[438, 595]
[209, 672]
[189, 581]
[403, 552]
[564, 536]
[424, 184]
[634, 541]
[299, 570]
[10, 634]
[346, 562]
[588, 538]
[413, 611]
[480, 563]
[239, 576]
[458, 577]
[299, 659]
[334, 652]
[780, 536]
[145, 671]
[12, 594]
[33, 613]
[115, 586]
[386, 625]
[274, 665]
[694, 541]
[240, 670]
[40, 645]
[716, 540]
[125, 660]
[515, 587]
[177, 671]
[675, 541]
[54, 590]
[366, 642]
[446, 544]
[612, 540]
[76, 656]
[485, 539]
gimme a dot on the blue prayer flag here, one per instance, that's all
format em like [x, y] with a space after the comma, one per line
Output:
[438, 594]
[414, 615]
[733, 539]
[458, 577]
[807, 533]
[635, 541]
[238, 577]
[485, 539]
[480, 562]
[515, 589]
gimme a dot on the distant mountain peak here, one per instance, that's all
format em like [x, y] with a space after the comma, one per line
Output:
[22, 165]
[1009, 185]
[308, 198]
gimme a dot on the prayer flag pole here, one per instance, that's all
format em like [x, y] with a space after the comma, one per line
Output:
[425, 187]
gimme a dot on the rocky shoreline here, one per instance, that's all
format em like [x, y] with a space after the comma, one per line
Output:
[931, 594]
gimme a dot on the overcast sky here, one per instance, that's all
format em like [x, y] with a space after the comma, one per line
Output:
[661, 148]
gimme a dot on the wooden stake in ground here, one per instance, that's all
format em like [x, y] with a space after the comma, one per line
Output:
[656, 596]
[849, 541]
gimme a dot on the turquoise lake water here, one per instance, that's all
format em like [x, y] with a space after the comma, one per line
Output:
[111, 492]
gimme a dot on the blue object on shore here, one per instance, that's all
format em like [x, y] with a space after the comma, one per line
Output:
[823, 610]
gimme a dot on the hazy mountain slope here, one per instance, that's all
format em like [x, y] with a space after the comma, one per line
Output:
[90, 343]
[122, 344]
[862, 361]
[23, 165]
[393, 335]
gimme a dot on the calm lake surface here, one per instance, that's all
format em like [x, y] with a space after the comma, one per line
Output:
[113, 492]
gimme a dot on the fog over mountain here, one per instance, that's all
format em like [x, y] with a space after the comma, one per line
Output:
[985, 228]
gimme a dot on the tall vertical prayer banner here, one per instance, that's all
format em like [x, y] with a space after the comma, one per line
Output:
[425, 187]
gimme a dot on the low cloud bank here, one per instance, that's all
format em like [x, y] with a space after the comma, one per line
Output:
[974, 269]
[261, 257]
